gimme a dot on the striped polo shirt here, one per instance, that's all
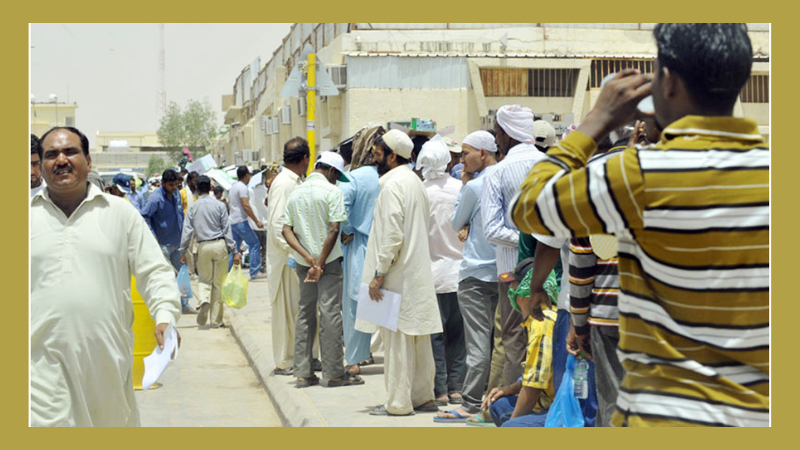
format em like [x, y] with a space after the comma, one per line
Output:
[593, 287]
[310, 209]
[692, 217]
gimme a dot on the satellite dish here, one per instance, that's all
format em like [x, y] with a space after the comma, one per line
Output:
[447, 130]
[53, 98]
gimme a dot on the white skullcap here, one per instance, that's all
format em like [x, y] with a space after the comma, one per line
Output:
[433, 159]
[399, 142]
[544, 133]
[517, 122]
[481, 140]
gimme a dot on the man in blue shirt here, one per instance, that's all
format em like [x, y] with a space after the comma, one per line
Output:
[164, 215]
[477, 285]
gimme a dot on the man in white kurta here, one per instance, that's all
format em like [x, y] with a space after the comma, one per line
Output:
[85, 246]
[283, 287]
[398, 260]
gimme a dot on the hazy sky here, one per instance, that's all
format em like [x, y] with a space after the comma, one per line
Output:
[111, 70]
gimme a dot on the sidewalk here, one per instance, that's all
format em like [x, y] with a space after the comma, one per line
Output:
[314, 406]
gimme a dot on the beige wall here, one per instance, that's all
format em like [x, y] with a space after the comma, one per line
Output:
[43, 116]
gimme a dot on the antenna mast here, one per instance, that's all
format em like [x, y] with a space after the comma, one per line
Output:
[161, 94]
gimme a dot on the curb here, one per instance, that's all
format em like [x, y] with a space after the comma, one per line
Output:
[294, 408]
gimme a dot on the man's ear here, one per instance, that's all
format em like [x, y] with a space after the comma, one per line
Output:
[671, 83]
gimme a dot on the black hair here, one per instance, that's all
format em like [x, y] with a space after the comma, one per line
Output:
[418, 141]
[323, 166]
[36, 146]
[242, 171]
[295, 149]
[81, 136]
[713, 59]
[204, 187]
[218, 190]
[192, 175]
[169, 175]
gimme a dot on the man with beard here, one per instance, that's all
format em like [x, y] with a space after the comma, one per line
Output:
[397, 260]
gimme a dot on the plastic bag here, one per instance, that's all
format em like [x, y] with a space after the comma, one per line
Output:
[566, 409]
[234, 288]
[184, 284]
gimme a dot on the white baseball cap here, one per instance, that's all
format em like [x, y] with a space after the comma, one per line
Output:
[334, 160]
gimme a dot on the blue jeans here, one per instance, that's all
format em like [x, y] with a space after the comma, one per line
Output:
[242, 232]
[173, 254]
[502, 409]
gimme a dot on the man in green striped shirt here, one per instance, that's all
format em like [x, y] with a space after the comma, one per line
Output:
[314, 211]
[692, 216]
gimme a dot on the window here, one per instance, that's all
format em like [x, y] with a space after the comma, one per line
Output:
[602, 67]
[69, 121]
[529, 82]
[756, 90]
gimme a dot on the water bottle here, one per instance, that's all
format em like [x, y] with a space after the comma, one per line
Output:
[581, 379]
[292, 263]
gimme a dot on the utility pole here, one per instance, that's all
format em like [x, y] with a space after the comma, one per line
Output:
[308, 75]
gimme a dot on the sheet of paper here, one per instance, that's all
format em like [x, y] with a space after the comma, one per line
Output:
[202, 165]
[383, 313]
[159, 360]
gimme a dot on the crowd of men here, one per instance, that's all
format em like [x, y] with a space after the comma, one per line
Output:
[639, 242]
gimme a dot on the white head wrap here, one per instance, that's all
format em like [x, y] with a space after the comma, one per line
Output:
[517, 122]
[481, 140]
[433, 159]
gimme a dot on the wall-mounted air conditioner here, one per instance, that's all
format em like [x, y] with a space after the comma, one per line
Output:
[338, 76]
[301, 106]
[286, 115]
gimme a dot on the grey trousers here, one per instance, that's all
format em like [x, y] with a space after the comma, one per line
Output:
[327, 295]
[608, 371]
[478, 302]
[515, 337]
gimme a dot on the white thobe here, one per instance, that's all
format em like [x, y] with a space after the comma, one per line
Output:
[283, 286]
[398, 247]
[81, 311]
[446, 250]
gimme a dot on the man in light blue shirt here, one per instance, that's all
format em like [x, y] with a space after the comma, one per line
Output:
[359, 200]
[477, 280]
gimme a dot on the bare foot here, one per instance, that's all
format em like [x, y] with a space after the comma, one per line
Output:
[449, 415]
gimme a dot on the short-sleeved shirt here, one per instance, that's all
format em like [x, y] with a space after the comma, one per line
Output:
[538, 371]
[310, 209]
[238, 190]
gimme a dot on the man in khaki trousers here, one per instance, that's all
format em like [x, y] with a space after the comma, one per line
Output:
[207, 218]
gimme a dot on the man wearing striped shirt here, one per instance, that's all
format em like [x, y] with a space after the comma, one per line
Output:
[593, 291]
[514, 137]
[692, 217]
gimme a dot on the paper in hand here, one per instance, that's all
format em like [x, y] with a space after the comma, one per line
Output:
[159, 360]
[384, 313]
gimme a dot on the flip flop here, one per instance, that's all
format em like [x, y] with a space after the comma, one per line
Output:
[313, 381]
[457, 419]
[381, 411]
[477, 421]
[350, 380]
[427, 408]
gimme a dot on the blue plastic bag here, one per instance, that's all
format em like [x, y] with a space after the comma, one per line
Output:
[566, 409]
[184, 284]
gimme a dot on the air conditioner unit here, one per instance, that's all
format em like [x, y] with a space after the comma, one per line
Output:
[286, 115]
[301, 106]
[338, 76]
[262, 120]
[276, 126]
[268, 125]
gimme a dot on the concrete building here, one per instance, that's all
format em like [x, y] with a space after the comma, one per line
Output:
[454, 74]
[127, 151]
[46, 115]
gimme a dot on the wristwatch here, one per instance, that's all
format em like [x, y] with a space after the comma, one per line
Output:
[378, 274]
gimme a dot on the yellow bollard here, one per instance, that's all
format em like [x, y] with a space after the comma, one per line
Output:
[144, 336]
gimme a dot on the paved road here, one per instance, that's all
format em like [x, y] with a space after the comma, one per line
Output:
[210, 384]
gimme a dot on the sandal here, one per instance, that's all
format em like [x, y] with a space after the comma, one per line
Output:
[456, 398]
[459, 418]
[427, 407]
[311, 381]
[478, 421]
[367, 362]
[349, 380]
[381, 411]
[354, 369]
[441, 400]
[287, 371]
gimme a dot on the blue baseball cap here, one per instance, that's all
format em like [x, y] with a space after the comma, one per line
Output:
[123, 182]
